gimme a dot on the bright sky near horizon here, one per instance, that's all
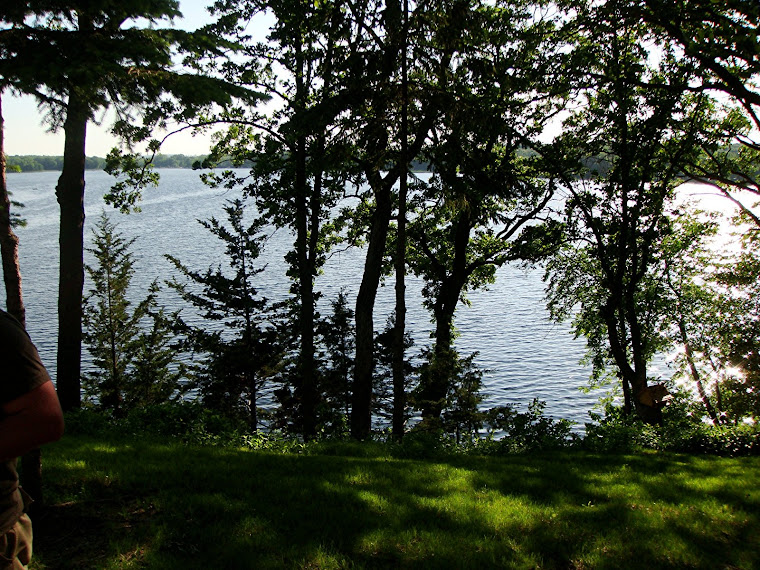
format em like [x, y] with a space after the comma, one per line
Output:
[25, 133]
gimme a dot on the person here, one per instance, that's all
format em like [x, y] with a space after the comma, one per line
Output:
[30, 415]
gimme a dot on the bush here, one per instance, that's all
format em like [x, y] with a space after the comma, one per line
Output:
[186, 420]
[682, 431]
[524, 431]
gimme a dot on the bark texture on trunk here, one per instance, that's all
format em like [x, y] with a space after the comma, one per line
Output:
[647, 405]
[399, 379]
[31, 463]
[361, 401]
[70, 194]
[8, 240]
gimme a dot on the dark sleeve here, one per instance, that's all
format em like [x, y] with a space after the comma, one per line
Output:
[21, 369]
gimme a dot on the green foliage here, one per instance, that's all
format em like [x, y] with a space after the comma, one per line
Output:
[507, 431]
[511, 431]
[608, 278]
[240, 355]
[110, 325]
[157, 375]
[337, 344]
[462, 416]
[737, 316]
[683, 432]
[713, 296]
[135, 367]
[382, 377]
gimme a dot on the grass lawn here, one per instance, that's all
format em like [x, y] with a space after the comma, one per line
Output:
[152, 504]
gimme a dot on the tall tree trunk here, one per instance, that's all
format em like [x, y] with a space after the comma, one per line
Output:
[645, 405]
[307, 392]
[31, 462]
[361, 400]
[377, 137]
[70, 193]
[306, 389]
[9, 241]
[399, 379]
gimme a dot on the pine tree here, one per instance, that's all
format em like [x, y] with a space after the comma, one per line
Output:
[131, 347]
[240, 355]
[338, 341]
[156, 376]
[110, 326]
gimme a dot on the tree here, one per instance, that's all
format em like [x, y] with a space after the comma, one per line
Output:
[687, 263]
[721, 40]
[640, 125]
[102, 58]
[399, 378]
[386, 137]
[716, 296]
[337, 339]
[462, 415]
[135, 366]
[31, 462]
[157, 375]
[242, 353]
[8, 239]
[385, 388]
[498, 94]
[297, 152]
[383, 152]
[110, 326]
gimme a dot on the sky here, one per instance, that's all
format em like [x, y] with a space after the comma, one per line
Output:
[25, 133]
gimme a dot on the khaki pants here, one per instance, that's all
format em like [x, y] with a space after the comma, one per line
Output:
[16, 545]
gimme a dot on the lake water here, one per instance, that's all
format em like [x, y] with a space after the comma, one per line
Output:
[526, 355]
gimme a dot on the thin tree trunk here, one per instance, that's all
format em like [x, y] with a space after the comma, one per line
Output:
[695, 373]
[643, 402]
[627, 403]
[9, 241]
[31, 462]
[70, 193]
[399, 380]
[307, 392]
[306, 389]
[361, 401]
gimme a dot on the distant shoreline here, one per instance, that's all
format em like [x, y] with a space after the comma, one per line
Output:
[45, 163]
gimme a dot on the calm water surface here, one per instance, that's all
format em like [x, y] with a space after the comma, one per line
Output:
[526, 355]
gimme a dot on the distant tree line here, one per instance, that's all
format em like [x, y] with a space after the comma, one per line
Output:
[39, 163]
[33, 163]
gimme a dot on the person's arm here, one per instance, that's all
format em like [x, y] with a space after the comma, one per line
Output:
[29, 421]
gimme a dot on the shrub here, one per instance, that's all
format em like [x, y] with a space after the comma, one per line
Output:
[682, 431]
[524, 431]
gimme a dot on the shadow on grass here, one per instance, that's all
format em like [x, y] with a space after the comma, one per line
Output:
[147, 505]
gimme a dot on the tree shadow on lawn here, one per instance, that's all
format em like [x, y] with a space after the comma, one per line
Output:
[169, 507]
[638, 511]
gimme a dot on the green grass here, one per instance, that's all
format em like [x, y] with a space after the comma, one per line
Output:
[151, 504]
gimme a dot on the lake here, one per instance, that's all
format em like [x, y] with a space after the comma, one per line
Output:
[527, 356]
